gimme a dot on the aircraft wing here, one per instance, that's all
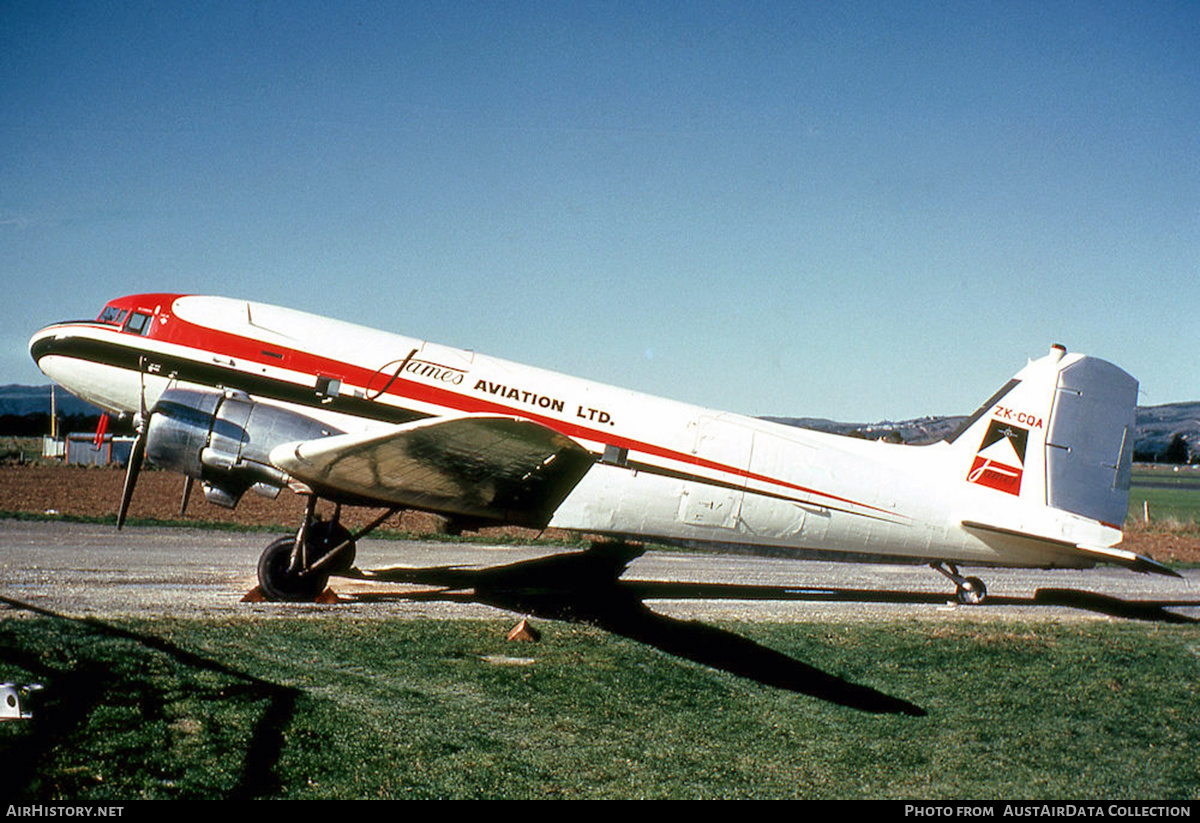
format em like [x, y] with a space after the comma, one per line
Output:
[495, 468]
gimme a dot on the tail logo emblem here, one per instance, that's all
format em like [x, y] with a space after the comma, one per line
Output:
[1000, 460]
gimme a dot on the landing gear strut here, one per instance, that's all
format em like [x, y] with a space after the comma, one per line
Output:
[298, 568]
[970, 591]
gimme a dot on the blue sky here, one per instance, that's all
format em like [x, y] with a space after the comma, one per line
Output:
[849, 210]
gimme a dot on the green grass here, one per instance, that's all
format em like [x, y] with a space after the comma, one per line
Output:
[338, 707]
[1174, 499]
[21, 449]
[1170, 494]
[1180, 506]
[1182, 475]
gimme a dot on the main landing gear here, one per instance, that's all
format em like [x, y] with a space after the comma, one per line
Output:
[970, 590]
[298, 568]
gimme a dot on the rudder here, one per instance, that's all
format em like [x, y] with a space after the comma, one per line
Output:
[1089, 445]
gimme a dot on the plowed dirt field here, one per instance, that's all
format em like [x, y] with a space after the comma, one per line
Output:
[85, 491]
[96, 492]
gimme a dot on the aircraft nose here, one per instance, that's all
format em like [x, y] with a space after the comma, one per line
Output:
[41, 344]
[55, 339]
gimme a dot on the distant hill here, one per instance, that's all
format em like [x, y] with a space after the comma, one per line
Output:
[913, 432]
[1165, 434]
[1169, 433]
[19, 401]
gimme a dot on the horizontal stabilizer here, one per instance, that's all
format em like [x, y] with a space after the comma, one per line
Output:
[1131, 560]
[495, 468]
[1108, 554]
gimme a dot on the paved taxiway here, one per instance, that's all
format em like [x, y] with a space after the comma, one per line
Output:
[90, 570]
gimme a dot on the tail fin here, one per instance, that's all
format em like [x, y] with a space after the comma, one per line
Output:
[1059, 435]
[1059, 438]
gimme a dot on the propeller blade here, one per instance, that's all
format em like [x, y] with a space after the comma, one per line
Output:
[142, 385]
[136, 455]
[187, 493]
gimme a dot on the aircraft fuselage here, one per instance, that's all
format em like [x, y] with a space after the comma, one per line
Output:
[663, 470]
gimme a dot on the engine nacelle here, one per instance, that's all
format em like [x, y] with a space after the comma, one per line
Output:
[224, 439]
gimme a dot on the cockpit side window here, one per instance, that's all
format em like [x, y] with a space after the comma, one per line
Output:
[112, 316]
[138, 323]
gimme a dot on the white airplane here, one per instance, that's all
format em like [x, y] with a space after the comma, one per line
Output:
[244, 396]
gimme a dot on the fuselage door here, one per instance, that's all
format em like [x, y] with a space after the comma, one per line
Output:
[722, 448]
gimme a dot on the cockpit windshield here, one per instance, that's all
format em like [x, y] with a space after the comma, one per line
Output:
[112, 316]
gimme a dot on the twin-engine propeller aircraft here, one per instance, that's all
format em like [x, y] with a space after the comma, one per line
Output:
[243, 396]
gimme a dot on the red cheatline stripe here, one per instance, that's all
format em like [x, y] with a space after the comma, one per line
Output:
[211, 341]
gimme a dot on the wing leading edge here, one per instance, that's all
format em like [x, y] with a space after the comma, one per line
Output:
[494, 468]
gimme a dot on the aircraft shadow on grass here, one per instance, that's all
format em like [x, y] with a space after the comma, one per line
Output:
[584, 587]
[74, 692]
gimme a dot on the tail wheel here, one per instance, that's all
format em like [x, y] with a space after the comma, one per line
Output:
[971, 591]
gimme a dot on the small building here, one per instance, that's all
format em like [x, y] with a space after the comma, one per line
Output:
[53, 446]
[82, 449]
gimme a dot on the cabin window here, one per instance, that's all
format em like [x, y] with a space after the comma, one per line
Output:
[138, 323]
[112, 316]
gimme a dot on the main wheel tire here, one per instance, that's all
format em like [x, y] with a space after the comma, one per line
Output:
[324, 536]
[278, 582]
